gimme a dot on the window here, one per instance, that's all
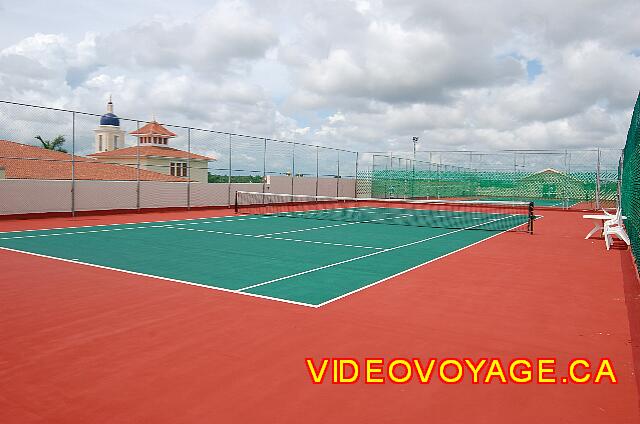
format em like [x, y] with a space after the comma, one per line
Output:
[100, 143]
[115, 141]
[179, 169]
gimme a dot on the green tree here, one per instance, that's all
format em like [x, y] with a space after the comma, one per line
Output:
[55, 144]
[213, 178]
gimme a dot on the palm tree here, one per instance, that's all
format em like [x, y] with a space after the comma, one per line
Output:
[55, 144]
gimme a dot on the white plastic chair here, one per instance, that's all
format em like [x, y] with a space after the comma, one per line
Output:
[614, 227]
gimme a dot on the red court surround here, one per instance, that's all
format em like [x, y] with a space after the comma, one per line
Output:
[86, 345]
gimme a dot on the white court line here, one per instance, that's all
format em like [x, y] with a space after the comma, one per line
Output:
[190, 229]
[224, 218]
[307, 229]
[144, 227]
[163, 278]
[74, 261]
[369, 254]
[199, 221]
[415, 267]
[275, 238]
[214, 220]
[431, 211]
[331, 226]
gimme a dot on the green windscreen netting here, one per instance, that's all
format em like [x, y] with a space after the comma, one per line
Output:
[631, 181]
[567, 178]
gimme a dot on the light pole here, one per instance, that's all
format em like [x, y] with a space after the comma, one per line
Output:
[413, 179]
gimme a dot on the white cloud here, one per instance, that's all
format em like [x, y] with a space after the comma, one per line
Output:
[360, 74]
[225, 35]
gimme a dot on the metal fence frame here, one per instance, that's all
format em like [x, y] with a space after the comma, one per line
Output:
[295, 159]
[265, 142]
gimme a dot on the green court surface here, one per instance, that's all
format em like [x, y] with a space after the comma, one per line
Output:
[293, 259]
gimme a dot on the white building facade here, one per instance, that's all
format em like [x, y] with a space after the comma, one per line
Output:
[109, 136]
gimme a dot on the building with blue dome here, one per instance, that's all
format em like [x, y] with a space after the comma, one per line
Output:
[109, 135]
[151, 151]
[110, 119]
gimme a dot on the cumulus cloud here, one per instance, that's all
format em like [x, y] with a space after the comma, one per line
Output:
[362, 74]
[225, 35]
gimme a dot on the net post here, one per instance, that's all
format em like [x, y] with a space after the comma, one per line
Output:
[235, 203]
[532, 217]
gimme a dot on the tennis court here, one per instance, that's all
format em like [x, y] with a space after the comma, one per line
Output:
[310, 251]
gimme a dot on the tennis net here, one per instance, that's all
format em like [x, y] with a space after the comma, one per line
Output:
[454, 214]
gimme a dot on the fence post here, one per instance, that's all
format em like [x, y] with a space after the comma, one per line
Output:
[563, 183]
[621, 164]
[317, 168]
[229, 178]
[189, 169]
[73, 163]
[597, 205]
[438, 166]
[413, 172]
[338, 177]
[386, 175]
[138, 168]
[355, 189]
[293, 167]
[264, 166]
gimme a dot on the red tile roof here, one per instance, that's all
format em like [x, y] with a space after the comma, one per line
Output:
[149, 152]
[153, 128]
[22, 161]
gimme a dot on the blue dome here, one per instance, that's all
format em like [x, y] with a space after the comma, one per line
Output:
[110, 119]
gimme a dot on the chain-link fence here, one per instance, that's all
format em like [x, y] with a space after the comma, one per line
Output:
[581, 179]
[127, 164]
[630, 190]
[87, 161]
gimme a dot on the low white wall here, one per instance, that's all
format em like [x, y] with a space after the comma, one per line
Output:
[100, 195]
[204, 194]
[328, 186]
[278, 184]
[304, 185]
[34, 196]
[347, 187]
